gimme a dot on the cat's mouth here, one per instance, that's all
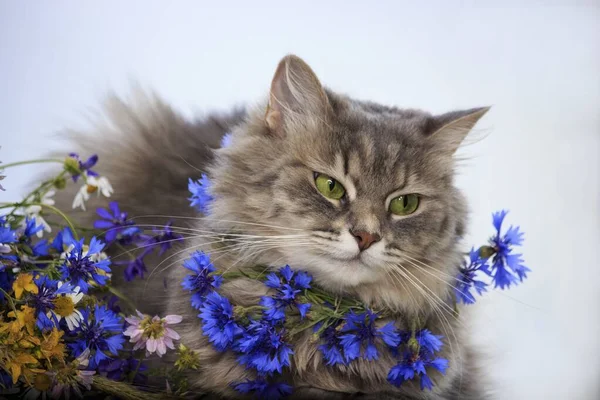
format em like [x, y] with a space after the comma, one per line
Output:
[358, 259]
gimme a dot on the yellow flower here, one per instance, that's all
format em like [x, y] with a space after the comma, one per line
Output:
[25, 318]
[15, 364]
[11, 327]
[51, 345]
[24, 282]
[17, 338]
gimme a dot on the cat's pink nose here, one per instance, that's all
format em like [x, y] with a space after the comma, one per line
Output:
[365, 239]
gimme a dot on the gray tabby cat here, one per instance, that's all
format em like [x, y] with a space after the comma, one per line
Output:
[264, 187]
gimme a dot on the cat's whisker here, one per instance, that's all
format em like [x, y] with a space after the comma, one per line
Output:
[261, 249]
[235, 247]
[446, 325]
[401, 276]
[102, 233]
[432, 293]
[221, 238]
[432, 268]
[443, 320]
[184, 250]
[395, 279]
[213, 221]
[249, 252]
[217, 233]
[437, 277]
[180, 260]
[415, 256]
[154, 244]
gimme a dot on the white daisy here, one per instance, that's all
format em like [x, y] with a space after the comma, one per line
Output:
[34, 211]
[97, 257]
[64, 307]
[93, 184]
[81, 197]
[101, 184]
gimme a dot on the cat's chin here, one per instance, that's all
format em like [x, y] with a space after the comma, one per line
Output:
[337, 274]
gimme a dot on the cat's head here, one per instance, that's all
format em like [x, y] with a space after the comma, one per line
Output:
[359, 194]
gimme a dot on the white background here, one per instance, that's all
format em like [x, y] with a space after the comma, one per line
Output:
[537, 152]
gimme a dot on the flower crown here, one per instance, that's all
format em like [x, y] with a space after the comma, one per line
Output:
[62, 329]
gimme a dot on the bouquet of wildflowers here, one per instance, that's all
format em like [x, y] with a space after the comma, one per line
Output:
[63, 333]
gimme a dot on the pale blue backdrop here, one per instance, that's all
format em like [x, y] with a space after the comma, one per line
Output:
[537, 151]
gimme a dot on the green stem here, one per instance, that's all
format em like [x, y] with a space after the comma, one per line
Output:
[122, 297]
[240, 310]
[7, 205]
[123, 390]
[304, 327]
[10, 301]
[63, 215]
[40, 190]
[79, 228]
[44, 160]
[138, 367]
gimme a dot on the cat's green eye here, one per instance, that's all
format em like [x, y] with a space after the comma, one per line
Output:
[329, 187]
[405, 204]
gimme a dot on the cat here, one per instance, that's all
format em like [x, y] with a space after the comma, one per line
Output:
[264, 185]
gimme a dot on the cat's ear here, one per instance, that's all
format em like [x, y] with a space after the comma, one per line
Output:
[447, 131]
[296, 95]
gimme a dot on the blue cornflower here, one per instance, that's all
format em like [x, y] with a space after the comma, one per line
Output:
[263, 347]
[114, 221]
[417, 358]
[83, 268]
[502, 276]
[163, 238]
[200, 191]
[41, 247]
[84, 166]
[6, 381]
[119, 368]
[134, 268]
[226, 140]
[112, 303]
[100, 331]
[44, 301]
[428, 341]
[7, 237]
[131, 235]
[63, 241]
[218, 321]
[31, 228]
[6, 280]
[466, 278]
[332, 348]
[389, 334]
[287, 290]
[262, 389]
[411, 367]
[202, 281]
[359, 332]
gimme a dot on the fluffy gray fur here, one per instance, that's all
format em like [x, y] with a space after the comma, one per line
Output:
[264, 191]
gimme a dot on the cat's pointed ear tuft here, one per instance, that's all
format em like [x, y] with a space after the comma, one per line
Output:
[296, 94]
[447, 131]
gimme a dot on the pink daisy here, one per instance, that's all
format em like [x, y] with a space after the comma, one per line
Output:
[153, 333]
